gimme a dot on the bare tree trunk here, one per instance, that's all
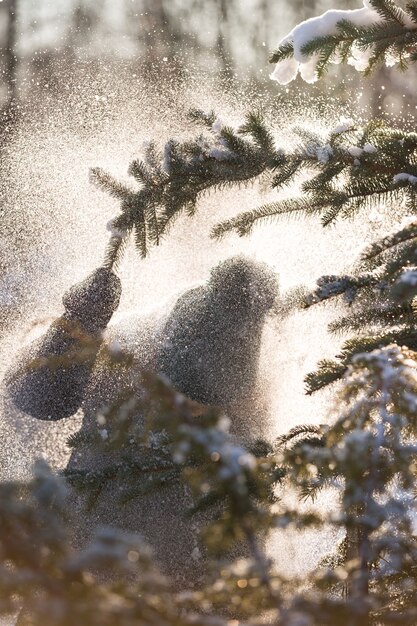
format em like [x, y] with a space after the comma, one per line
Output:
[10, 55]
[161, 39]
[358, 549]
[222, 30]
[156, 32]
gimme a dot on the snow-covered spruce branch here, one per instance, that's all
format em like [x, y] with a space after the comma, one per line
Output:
[171, 181]
[329, 371]
[113, 581]
[346, 169]
[377, 248]
[349, 169]
[381, 300]
[379, 32]
[179, 440]
[58, 586]
[368, 455]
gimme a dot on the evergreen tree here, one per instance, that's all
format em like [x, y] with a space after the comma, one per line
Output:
[367, 453]
[352, 168]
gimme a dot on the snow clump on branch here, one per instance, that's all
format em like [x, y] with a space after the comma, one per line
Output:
[345, 125]
[322, 26]
[403, 177]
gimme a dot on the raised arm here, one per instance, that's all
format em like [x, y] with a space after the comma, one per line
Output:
[49, 387]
